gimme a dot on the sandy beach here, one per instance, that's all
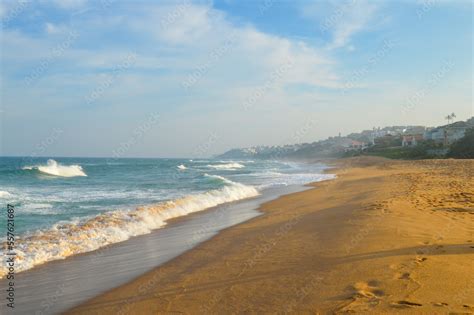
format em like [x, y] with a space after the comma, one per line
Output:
[384, 237]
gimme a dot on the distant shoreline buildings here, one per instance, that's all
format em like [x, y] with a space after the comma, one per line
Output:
[438, 138]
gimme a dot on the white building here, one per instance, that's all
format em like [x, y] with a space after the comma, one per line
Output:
[411, 140]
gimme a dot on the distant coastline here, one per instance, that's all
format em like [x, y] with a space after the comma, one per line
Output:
[396, 142]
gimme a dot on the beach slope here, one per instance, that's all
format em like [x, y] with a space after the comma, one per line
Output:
[384, 237]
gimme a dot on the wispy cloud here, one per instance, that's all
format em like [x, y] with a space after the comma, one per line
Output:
[342, 19]
[182, 45]
[356, 18]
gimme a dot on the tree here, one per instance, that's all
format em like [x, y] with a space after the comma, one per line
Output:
[464, 147]
[449, 117]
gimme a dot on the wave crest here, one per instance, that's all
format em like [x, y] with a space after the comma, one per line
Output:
[221, 178]
[71, 238]
[228, 166]
[54, 168]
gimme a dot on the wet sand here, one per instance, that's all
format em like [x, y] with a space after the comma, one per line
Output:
[57, 286]
[385, 237]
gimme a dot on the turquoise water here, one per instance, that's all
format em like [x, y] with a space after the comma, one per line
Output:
[66, 206]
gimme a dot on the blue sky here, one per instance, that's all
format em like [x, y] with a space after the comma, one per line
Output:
[195, 78]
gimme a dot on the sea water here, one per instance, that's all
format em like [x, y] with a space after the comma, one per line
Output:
[68, 206]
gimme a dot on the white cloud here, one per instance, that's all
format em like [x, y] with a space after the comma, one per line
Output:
[356, 19]
[342, 19]
[169, 49]
[178, 39]
[197, 33]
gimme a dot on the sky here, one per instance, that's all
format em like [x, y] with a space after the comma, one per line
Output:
[111, 78]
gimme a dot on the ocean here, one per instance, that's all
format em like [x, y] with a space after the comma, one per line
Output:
[68, 206]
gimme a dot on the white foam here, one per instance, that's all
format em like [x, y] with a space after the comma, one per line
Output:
[279, 179]
[274, 179]
[70, 238]
[38, 208]
[182, 167]
[221, 178]
[236, 161]
[228, 166]
[54, 168]
[4, 194]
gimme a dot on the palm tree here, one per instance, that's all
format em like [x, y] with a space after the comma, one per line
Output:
[449, 117]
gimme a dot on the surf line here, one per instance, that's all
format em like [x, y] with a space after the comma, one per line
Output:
[10, 256]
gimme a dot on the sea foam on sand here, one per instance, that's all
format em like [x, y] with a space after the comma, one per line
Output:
[70, 238]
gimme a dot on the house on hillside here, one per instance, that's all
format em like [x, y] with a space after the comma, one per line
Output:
[342, 144]
[447, 134]
[358, 145]
[414, 130]
[411, 140]
[388, 141]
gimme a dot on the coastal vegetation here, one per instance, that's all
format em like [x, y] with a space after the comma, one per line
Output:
[463, 148]
[455, 140]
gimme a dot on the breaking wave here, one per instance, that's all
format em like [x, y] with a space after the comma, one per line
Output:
[4, 194]
[70, 238]
[228, 166]
[182, 167]
[220, 178]
[54, 168]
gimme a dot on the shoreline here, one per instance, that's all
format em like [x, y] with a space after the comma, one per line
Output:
[43, 288]
[76, 227]
[366, 241]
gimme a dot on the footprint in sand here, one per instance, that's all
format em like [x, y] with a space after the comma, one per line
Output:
[367, 290]
[419, 260]
[440, 304]
[405, 304]
[363, 295]
[404, 276]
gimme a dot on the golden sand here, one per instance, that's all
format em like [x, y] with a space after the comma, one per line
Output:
[385, 237]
